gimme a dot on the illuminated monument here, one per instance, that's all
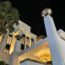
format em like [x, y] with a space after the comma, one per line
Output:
[56, 41]
[21, 46]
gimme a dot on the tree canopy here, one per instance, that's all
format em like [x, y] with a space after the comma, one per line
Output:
[8, 17]
[3, 63]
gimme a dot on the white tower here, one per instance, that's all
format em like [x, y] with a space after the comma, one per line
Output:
[56, 44]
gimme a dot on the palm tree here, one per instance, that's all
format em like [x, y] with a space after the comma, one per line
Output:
[8, 17]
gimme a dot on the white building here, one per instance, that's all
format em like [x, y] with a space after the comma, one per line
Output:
[17, 42]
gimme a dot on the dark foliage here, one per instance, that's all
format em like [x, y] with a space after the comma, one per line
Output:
[3, 63]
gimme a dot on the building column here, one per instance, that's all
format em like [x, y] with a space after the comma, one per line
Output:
[3, 43]
[14, 59]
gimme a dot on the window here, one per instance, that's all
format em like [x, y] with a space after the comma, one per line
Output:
[32, 39]
[27, 37]
[23, 35]
[7, 46]
[18, 37]
[22, 46]
[10, 35]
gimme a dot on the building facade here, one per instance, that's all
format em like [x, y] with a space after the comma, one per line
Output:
[17, 42]
[22, 44]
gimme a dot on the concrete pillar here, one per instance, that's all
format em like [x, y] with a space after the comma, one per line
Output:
[14, 59]
[17, 47]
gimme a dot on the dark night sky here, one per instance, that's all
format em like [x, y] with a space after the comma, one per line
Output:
[30, 13]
